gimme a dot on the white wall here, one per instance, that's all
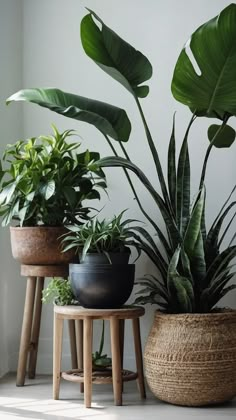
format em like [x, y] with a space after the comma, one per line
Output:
[53, 56]
[11, 126]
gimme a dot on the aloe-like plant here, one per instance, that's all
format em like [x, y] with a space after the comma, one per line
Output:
[45, 181]
[193, 269]
[103, 237]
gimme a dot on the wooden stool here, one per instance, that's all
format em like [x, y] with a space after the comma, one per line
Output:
[32, 318]
[117, 318]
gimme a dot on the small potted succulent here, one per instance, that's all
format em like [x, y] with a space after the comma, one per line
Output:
[104, 278]
[43, 185]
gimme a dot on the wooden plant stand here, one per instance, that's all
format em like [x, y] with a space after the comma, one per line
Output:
[116, 375]
[32, 318]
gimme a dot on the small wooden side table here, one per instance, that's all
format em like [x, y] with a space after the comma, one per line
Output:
[32, 318]
[86, 375]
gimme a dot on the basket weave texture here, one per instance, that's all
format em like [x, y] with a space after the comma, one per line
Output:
[190, 359]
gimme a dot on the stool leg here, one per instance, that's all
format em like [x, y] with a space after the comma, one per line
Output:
[57, 352]
[36, 328]
[71, 325]
[116, 360]
[122, 336]
[79, 346]
[26, 330]
[88, 341]
[138, 356]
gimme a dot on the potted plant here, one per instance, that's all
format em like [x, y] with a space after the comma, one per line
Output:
[103, 279]
[43, 186]
[190, 356]
[59, 292]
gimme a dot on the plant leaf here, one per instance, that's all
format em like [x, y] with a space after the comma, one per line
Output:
[114, 55]
[223, 138]
[108, 119]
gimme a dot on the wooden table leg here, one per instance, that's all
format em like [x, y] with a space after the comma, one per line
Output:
[79, 347]
[57, 352]
[116, 360]
[122, 338]
[36, 328]
[71, 326]
[26, 330]
[88, 342]
[138, 356]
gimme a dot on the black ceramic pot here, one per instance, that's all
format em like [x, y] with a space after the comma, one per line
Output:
[102, 286]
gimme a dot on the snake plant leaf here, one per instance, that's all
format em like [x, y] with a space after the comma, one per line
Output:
[221, 137]
[108, 119]
[114, 55]
[171, 226]
[204, 76]
[220, 263]
[183, 187]
[172, 168]
[194, 226]
[198, 263]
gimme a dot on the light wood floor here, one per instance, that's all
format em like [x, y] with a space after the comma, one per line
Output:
[34, 401]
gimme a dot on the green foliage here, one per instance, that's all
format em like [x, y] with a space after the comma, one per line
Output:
[101, 360]
[193, 267]
[46, 181]
[59, 291]
[100, 236]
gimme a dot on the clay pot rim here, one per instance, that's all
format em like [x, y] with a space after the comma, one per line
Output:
[221, 313]
[36, 227]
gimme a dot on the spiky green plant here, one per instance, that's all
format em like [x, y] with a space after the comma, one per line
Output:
[193, 269]
[102, 237]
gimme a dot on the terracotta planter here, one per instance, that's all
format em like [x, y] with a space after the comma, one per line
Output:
[190, 359]
[39, 245]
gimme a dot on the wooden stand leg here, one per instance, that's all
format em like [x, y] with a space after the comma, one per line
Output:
[35, 328]
[57, 352]
[71, 325]
[116, 360]
[26, 330]
[138, 356]
[122, 337]
[79, 346]
[88, 341]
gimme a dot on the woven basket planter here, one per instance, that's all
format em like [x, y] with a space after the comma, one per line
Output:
[190, 359]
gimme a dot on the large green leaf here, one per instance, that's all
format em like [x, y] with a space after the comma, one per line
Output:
[110, 120]
[206, 80]
[222, 136]
[114, 55]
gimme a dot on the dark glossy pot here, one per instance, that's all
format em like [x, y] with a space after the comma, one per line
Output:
[102, 286]
[115, 258]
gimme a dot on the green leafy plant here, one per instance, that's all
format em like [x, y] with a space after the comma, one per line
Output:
[46, 181]
[59, 291]
[193, 267]
[102, 237]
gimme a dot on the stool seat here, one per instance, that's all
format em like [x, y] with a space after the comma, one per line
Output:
[84, 318]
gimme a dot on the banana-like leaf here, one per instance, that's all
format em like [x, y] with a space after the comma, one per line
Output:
[114, 55]
[194, 225]
[108, 119]
[205, 79]
[112, 161]
[223, 136]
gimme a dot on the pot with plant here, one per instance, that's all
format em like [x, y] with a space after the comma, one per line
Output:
[43, 185]
[190, 355]
[104, 278]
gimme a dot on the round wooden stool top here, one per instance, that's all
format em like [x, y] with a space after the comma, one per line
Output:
[45, 270]
[78, 312]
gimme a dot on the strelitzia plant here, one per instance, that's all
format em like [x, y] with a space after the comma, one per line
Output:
[193, 268]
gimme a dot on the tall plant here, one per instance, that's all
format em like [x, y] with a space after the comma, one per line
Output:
[193, 271]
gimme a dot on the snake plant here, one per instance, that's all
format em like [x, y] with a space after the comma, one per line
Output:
[193, 268]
